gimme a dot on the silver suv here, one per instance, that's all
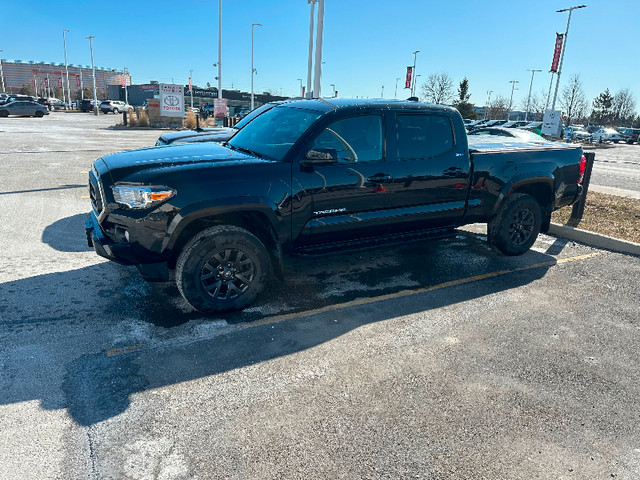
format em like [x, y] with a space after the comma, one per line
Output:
[114, 106]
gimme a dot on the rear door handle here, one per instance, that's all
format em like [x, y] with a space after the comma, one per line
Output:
[380, 178]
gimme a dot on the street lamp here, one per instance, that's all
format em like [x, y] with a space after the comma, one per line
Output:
[253, 70]
[219, 77]
[191, 88]
[333, 90]
[93, 73]
[564, 47]
[310, 61]
[413, 84]
[66, 67]
[317, 74]
[1, 72]
[125, 72]
[488, 107]
[395, 95]
[526, 115]
[301, 88]
[513, 87]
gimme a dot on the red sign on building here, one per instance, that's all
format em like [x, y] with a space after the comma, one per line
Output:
[557, 51]
[407, 82]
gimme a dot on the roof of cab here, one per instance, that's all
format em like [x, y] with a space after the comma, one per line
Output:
[327, 104]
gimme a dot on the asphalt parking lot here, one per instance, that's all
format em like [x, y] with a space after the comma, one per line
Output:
[433, 360]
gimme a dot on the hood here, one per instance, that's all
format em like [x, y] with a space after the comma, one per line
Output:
[222, 132]
[122, 164]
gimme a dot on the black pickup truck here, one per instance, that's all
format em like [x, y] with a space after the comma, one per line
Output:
[316, 176]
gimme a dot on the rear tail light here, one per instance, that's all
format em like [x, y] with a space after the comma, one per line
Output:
[583, 166]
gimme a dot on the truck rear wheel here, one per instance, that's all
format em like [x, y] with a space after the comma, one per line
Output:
[516, 226]
[222, 268]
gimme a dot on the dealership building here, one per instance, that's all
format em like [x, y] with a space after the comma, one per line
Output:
[237, 102]
[45, 77]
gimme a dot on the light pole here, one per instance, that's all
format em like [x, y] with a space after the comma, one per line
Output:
[333, 90]
[317, 74]
[93, 73]
[253, 70]
[526, 115]
[310, 62]
[395, 95]
[125, 72]
[513, 87]
[301, 88]
[1, 72]
[191, 88]
[219, 77]
[564, 47]
[413, 84]
[66, 67]
[488, 108]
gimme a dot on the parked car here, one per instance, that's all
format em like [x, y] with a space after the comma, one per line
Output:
[16, 96]
[86, 105]
[514, 124]
[314, 177]
[23, 108]
[524, 135]
[494, 123]
[56, 103]
[577, 133]
[115, 106]
[629, 135]
[607, 135]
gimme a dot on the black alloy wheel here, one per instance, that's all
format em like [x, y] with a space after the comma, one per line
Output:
[222, 268]
[515, 228]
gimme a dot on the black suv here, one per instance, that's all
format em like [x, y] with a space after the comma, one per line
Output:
[86, 105]
[629, 135]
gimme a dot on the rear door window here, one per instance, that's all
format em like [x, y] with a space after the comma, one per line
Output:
[424, 136]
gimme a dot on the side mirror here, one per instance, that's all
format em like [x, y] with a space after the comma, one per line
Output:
[320, 156]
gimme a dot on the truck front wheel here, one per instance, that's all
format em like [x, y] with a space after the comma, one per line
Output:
[222, 268]
[516, 226]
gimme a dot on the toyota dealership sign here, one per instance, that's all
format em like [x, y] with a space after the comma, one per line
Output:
[171, 100]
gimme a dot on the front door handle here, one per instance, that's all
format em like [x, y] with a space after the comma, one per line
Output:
[452, 171]
[380, 178]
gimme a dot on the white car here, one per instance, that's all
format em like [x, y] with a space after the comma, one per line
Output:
[607, 135]
[114, 106]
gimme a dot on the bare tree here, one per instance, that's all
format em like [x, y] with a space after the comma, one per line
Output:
[499, 108]
[572, 100]
[536, 105]
[623, 107]
[438, 88]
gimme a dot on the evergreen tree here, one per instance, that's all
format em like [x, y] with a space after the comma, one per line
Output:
[462, 102]
[602, 113]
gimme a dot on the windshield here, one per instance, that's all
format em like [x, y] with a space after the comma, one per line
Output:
[273, 133]
[254, 113]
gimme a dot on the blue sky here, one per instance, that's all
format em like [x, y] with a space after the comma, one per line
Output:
[367, 44]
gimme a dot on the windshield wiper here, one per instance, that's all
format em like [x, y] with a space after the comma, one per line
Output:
[249, 152]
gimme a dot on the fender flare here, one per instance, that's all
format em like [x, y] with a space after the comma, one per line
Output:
[520, 181]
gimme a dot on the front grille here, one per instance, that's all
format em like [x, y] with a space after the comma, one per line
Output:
[95, 191]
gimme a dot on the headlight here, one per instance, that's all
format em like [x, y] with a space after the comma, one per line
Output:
[131, 196]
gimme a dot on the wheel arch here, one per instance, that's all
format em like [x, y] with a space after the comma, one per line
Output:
[259, 222]
[539, 187]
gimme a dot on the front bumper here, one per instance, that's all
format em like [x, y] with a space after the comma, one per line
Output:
[104, 246]
[123, 253]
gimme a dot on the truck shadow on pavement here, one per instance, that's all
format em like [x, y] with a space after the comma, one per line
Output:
[116, 335]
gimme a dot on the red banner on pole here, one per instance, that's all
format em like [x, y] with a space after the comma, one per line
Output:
[122, 76]
[556, 52]
[60, 82]
[77, 81]
[189, 83]
[46, 83]
[407, 82]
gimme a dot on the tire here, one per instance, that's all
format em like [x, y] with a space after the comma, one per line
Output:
[38, 114]
[4, 113]
[516, 226]
[222, 268]
[616, 141]
[116, 111]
